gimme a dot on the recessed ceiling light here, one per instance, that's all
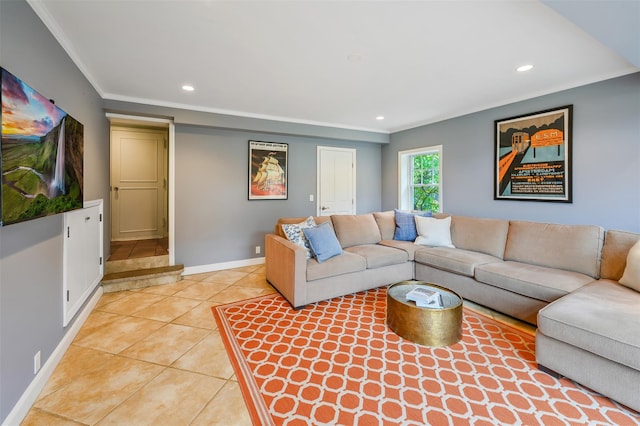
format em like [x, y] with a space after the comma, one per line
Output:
[380, 117]
[524, 68]
[188, 88]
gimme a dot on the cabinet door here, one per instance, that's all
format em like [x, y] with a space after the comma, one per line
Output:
[83, 268]
[93, 247]
[73, 272]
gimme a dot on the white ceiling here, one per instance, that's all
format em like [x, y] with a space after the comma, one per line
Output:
[337, 63]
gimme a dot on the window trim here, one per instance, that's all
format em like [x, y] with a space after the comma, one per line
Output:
[404, 175]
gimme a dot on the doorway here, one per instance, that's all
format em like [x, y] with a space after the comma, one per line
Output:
[336, 181]
[140, 196]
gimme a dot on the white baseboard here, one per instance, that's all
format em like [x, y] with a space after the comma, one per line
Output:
[30, 395]
[191, 270]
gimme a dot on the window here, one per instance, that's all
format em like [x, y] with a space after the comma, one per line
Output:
[420, 183]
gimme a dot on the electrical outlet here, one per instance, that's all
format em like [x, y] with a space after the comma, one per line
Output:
[311, 197]
[36, 363]
[257, 249]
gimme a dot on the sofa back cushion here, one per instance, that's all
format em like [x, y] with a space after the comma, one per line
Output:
[614, 253]
[487, 236]
[278, 227]
[353, 230]
[386, 224]
[576, 248]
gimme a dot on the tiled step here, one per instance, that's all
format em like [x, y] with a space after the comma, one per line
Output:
[113, 266]
[140, 278]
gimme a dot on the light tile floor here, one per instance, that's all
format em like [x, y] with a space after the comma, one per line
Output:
[154, 356]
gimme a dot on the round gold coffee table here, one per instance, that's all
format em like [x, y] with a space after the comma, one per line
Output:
[426, 326]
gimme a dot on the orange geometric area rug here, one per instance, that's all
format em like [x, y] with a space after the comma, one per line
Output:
[338, 363]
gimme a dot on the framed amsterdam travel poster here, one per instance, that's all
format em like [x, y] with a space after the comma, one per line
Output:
[268, 170]
[533, 156]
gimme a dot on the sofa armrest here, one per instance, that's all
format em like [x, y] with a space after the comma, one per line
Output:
[286, 269]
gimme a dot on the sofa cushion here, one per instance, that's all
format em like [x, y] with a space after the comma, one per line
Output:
[323, 241]
[353, 230]
[601, 317]
[344, 263]
[459, 261]
[574, 248]
[407, 246]
[484, 235]
[386, 224]
[378, 255]
[293, 232]
[538, 282]
[434, 232]
[631, 276]
[406, 225]
[614, 253]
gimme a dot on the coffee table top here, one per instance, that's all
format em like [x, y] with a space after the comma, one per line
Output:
[399, 292]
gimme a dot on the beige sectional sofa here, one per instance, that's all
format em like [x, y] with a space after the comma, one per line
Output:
[564, 278]
[515, 267]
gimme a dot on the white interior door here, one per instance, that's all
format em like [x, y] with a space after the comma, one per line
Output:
[138, 184]
[336, 181]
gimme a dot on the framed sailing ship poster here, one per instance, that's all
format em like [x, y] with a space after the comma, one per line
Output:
[268, 170]
[533, 156]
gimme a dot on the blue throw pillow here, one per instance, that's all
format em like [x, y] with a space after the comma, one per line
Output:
[323, 241]
[406, 225]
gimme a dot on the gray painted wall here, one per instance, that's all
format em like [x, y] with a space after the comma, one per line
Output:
[606, 158]
[215, 222]
[31, 252]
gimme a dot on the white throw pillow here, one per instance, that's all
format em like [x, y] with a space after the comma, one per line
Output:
[631, 276]
[434, 232]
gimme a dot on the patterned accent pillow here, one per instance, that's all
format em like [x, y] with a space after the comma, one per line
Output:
[293, 232]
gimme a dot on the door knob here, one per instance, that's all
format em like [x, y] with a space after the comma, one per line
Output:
[324, 208]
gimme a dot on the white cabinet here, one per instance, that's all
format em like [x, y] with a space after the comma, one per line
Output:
[83, 256]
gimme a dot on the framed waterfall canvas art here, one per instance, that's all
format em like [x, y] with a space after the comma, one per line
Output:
[41, 156]
[533, 156]
[268, 170]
